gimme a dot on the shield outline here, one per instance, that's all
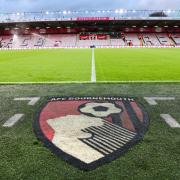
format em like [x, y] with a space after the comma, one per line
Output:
[76, 162]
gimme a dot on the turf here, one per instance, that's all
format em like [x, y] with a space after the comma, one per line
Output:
[75, 65]
[22, 156]
[45, 65]
[138, 64]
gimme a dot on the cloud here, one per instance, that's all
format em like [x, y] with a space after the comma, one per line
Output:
[44, 5]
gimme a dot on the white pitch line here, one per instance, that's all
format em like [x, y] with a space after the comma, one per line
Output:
[170, 121]
[84, 82]
[152, 100]
[32, 100]
[93, 68]
[13, 120]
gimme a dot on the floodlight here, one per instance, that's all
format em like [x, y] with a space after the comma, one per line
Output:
[169, 11]
[64, 12]
[121, 11]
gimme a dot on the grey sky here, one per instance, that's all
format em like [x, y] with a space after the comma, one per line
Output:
[50, 5]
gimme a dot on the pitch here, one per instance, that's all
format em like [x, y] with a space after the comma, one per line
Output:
[24, 157]
[62, 65]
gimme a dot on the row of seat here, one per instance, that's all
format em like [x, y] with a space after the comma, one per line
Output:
[72, 40]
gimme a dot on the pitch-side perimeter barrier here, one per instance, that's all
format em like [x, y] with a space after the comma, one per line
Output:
[86, 47]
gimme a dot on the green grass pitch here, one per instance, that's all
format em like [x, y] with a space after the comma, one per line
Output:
[138, 64]
[75, 65]
[22, 156]
[45, 65]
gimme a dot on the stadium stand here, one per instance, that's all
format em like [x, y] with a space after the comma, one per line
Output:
[73, 40]
[118, 28]
[133, 38]
[22, 42]
[68, 40]
[176, 38]
[164, 39]
[97, 43]
[151, 39]
[117, 42]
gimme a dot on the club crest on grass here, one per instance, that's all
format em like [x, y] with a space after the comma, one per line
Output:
[90, 131]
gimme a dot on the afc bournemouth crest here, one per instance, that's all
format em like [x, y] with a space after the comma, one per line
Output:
[90, 131]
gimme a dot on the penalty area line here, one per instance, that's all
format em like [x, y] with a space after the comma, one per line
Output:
[93, 67]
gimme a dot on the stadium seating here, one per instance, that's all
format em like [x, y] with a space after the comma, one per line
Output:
[117, 42]
[97, 43]
[72, 40]
[22, 42]
[133, 38]
[150, 39]
[176, 38]
[164, 39]
[6, 41]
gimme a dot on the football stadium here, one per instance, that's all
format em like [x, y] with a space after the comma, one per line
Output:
[90, 94]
